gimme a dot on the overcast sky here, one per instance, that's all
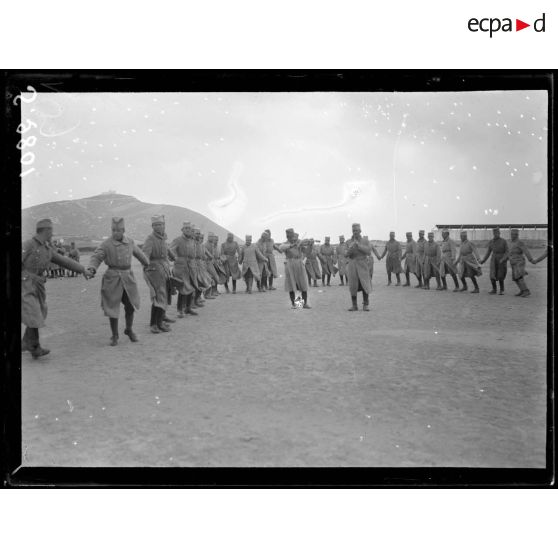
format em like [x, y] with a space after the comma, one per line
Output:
[313, 161]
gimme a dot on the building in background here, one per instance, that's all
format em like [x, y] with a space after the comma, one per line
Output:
[537, 235]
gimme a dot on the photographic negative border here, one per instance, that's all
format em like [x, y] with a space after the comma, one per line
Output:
[14, 83]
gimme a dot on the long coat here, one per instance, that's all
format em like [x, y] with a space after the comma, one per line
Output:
[517, 253]
[210, 267]
[119, 277]
[393, 258]
[358, 272]
[498, 247]
[469, 260]
[432, 259]
[327, 256]
[295, 272]
[158, 274]
[410, 256]
[230, 250]
[263, 265]
[312, 266]
[250, 256]
[184, 249]
[219, 265]
[420, 254]
[341, 256]
[36, 258]
[449, 252]
[268, 253]
[203, 277]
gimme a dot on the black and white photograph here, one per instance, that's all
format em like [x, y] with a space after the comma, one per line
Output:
[262, 278]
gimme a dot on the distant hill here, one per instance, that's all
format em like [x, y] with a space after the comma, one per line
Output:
[91, 217]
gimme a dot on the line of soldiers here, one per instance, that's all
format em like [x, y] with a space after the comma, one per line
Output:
[199, 267]
[72, 252]
[427, 259]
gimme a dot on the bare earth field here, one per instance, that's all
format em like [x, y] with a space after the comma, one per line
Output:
[425, 379]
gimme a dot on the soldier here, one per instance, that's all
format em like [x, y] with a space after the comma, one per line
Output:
[74, 255]
[229, 255]
[341, 258]
[37, 254]
[358, 271]
[420, 257]
[119, 284]
[250, 255]
[209, 267]
[184, 250]
[517, 254]
[431, 266]
[498, 247]
[311, 264]
[410, 257]
[469, 260]
[269, 248]
[158, 274]
[295, 273]
[447, 264]
[393, 260]
[263, 263]
[327, 256]
[203, 278]
[218, 264]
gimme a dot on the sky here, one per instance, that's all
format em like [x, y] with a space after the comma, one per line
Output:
[316, 162]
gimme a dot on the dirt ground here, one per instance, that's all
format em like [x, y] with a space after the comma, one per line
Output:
[425, 379]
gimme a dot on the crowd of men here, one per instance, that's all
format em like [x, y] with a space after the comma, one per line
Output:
[191, 268]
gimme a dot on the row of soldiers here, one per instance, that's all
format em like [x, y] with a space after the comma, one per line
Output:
[427, 259]
[200, 266]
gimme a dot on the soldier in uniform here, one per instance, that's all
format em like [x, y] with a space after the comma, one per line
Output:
[119, 284]
[250, 256]
[158, 274]
[218, 264]
[498, 247]
[358, 272]
[203, 277]
[327, 256]
[517, 254]
[272, 264]
[184, 250]
[468, 259]
[410, 257]
[420, 257]
[431, 266]
[447, 265]
[37, 254]
[295, 273]
[341, 258]
[209, 267]
[311, 264]
[229, 255]
[263, 264]
[393, 260]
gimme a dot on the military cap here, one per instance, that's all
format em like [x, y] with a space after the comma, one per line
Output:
[118, 221]
[44, 223]
[421, 231]
[157, 219]
[290, 231]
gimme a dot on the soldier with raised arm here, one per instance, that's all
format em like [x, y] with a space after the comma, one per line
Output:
[119, 284]
[498, 247]
[37, 254]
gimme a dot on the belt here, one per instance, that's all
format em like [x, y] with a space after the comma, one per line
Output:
[120, 267]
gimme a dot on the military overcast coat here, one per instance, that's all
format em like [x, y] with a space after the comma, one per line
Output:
[119, 277]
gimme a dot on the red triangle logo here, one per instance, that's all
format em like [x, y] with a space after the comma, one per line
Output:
[519, 25]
